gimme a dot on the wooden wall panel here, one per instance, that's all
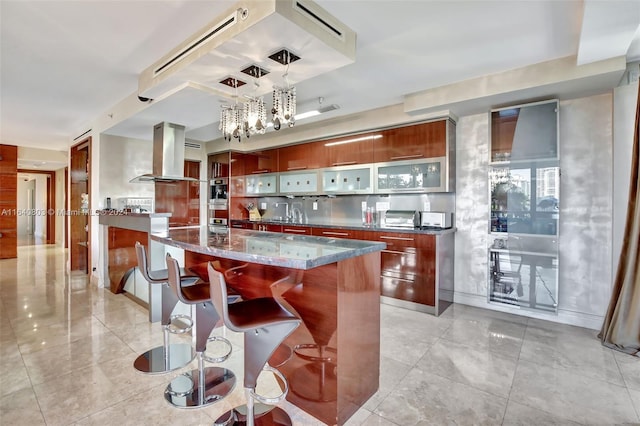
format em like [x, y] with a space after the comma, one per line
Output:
[8, 201]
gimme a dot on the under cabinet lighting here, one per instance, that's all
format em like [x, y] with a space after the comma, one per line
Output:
[362, 138]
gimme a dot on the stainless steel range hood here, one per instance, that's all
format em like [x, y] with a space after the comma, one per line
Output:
[168, 155]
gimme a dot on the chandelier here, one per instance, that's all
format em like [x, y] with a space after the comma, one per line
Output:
[250, 117]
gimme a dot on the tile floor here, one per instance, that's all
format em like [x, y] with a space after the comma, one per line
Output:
[67, 348]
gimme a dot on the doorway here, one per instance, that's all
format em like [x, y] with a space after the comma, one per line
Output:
[79, 206]
[36, 196]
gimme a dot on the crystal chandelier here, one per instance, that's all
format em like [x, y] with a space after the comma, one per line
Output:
[284, 106]
[250, 117]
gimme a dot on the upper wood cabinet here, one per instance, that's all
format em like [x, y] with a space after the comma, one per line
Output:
[258, 162]
[218, 165]
[412, 142]
[350, 150]
[302, 157]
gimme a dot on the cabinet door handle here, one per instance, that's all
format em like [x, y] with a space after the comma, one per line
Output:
[396, 238]
[301, 231]
[0, 234]
[255, 172]
[344, 163]
[335, 233]
[406, 157]
[395, 252]
[297, 168]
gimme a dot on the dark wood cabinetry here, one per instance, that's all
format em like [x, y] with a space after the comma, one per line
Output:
[8, 201]
[408, 266]
[336, 233]
[350, 150]
[305, 156]
[425, 140]
[259, 162]
[218, 165]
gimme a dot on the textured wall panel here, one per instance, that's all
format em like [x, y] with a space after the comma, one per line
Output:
[472, 208]
[586, 204]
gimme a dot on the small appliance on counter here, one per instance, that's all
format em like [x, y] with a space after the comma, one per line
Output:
[400, 219]
[440, 220]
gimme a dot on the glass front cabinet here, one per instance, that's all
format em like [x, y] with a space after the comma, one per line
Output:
[524, 198]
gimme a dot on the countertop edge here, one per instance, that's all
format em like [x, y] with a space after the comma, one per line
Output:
[353, 227]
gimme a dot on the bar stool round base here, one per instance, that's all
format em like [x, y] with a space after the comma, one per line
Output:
[185, 391]
[265, 415]
[154, 360]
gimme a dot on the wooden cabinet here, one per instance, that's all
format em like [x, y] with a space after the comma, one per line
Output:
[425, 140]
[336, 233]
[350, 150]
[302, 157]
[218, 165]
[408, 266]
[8, 201]
[259, 162]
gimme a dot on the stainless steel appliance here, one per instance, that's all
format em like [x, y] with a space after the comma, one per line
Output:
[219, 188]
[400, 219]
[435, 220]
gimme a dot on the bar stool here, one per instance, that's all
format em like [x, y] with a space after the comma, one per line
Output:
[204, 385]
[168, 357]
[265, 324]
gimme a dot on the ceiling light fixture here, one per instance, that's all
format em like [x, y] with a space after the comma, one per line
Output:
[284, 98]
[320, 110]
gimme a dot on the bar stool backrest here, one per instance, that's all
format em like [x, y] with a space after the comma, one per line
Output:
[173, 270]
[141, 254]
[218, 293]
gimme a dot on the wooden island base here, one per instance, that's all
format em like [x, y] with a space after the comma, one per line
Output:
[332, 361]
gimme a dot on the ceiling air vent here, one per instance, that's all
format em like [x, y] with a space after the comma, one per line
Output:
[208, 35]
[194, 145]
[306, 10]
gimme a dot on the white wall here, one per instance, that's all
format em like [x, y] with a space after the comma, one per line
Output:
[585, 217]
[59, 206]
[25, 222]
[41, 206]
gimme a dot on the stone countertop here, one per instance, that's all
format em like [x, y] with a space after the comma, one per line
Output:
[112, 212]
[266, 248]
[357, 227]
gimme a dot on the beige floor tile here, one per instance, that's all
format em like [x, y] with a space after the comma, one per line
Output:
[635, 397]
[403, 345]
[572, 396]
[457, 311]
[59, 360]
[480, 368]
[146, 408]
[630, 369]
[426, 399]
[13, 373]
[20, 408]
[495, 335]
[572, 349]
[59, 334]
[521, 415]
[392, 372]
[91, 389]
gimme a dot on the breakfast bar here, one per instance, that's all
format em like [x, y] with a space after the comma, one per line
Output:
[332, 361]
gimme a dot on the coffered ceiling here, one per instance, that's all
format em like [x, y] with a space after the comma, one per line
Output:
[66, 63]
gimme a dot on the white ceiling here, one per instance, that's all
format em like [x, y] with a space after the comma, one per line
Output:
[65, 63]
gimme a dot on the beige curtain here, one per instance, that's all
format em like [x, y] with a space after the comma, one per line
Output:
[621, 328]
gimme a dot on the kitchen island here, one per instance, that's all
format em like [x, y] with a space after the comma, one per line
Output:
[332, 361]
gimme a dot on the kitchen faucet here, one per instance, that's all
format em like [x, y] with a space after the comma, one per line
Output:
[297, 215]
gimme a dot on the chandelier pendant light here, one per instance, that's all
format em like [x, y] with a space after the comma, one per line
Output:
[284, 98]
